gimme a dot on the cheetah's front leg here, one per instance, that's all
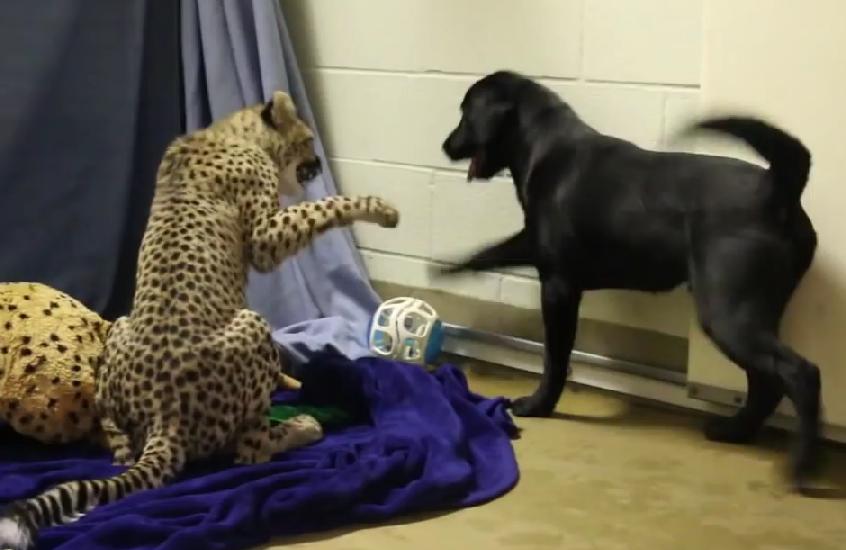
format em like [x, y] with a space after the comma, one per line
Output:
[284, 232]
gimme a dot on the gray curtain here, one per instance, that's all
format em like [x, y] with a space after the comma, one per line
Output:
[89, 98]
[236, 53]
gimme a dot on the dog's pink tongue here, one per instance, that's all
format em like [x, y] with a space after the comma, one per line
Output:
[471, 170]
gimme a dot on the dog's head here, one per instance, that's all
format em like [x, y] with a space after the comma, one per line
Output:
[294, 146]
[488, 122]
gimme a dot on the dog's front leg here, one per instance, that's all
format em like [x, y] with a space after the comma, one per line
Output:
[560, 307]
[516, 250]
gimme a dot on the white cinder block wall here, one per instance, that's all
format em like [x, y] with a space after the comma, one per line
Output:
[386, 78]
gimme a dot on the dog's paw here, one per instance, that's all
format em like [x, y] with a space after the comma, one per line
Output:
[440, 271]
[729, 429]
[531, 406]
[384, 214]
[447, 270]
[805, 466]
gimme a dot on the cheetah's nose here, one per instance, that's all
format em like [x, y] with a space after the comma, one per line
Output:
[306, 171]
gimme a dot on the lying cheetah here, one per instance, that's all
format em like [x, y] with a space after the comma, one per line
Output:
[49, 346]
[190, 371]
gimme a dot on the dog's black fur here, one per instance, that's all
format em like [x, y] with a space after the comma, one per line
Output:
[600, 212]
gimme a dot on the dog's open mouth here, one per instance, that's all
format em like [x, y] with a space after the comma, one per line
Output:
[306, 171]
[476, 163]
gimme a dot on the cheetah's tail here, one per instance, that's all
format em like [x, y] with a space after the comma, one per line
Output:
[21, 520]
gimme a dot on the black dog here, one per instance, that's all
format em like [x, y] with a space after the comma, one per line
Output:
[600, 212]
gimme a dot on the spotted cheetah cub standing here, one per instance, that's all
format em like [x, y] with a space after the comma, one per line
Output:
[190, 371]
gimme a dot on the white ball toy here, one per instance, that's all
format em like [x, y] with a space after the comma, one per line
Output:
[406, 329]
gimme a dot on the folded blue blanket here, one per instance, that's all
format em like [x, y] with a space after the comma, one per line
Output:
[425, 442]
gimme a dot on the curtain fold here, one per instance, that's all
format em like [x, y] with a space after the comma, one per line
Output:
[89, 98]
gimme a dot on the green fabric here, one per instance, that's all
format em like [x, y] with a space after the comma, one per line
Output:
[328, 417]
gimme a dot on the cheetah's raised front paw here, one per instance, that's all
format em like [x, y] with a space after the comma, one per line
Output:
[384, 214]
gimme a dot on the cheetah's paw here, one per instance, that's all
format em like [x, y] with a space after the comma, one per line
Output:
[307, 428]
[123, 457]
[385, 214]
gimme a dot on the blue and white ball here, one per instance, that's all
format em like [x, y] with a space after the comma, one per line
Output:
[406, 329]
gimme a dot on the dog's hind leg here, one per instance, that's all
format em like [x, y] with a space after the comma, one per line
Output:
[741, 287]
[773, 369]
[560, 307]
[764, 393]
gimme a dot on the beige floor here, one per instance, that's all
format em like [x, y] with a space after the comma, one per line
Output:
[610, 474]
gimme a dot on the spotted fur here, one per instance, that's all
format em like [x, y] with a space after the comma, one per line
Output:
[190, 371]
[49, 346]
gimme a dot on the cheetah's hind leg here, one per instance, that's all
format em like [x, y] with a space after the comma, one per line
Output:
[263, 440]
[116, 439]
[118, 442]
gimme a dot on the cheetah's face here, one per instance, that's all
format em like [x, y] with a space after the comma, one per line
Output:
[297, 157]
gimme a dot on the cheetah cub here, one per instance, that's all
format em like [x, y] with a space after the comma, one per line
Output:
[189, 372]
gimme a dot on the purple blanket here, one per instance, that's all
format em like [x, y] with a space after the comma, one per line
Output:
[425, 442]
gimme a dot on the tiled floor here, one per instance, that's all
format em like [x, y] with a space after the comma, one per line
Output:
[609, 474]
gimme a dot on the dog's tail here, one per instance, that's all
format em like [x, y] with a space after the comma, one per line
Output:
[790, 160]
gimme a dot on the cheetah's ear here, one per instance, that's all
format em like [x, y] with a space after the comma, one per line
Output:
[267, 114]
[284, 107]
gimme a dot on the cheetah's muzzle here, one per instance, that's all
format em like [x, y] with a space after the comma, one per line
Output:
[306, 171]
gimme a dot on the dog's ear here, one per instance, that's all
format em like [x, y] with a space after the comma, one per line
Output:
[267, 115]
[500, 110]
[494, 116]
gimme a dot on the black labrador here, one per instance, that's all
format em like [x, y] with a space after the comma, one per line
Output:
[600, 212]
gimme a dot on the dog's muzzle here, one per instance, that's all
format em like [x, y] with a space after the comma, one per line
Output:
[456, 147]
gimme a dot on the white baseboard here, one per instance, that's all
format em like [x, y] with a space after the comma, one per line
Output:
[607, 373]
